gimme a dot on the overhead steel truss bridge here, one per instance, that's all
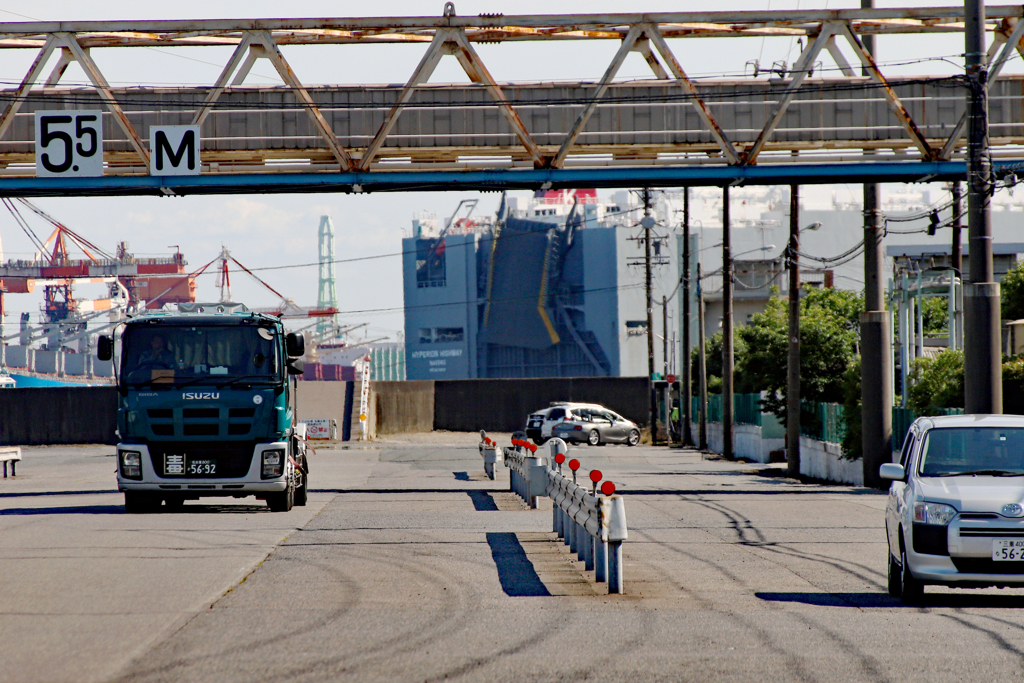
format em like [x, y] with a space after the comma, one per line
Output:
[833, 116]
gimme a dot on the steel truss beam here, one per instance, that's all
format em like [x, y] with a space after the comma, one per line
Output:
[527, 179]
[647, 34]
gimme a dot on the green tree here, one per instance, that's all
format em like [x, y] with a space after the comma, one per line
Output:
[713, 358]
[829, 322]
[1012, 293]
[936, 382]
[852, 444]
[934, 314]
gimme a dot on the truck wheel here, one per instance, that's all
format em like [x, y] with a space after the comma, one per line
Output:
[281, 502]
[137, 502]
[300, 493]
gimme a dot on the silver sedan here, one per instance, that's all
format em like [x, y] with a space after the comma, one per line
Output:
[955, 514]
[597, 427]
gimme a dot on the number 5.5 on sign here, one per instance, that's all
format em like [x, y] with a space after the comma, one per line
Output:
[69, 143]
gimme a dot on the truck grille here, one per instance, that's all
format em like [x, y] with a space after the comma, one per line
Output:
[232, 458]
[201, 421]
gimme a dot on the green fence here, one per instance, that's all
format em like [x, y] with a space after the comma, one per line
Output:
[903, 417]
[746, 409]
[827, 424]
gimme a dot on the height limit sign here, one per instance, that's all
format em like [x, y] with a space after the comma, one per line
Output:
[69, 143]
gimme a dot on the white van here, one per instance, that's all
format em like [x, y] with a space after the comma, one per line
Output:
[540, 423]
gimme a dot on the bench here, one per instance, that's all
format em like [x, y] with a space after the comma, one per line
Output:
[10, 454]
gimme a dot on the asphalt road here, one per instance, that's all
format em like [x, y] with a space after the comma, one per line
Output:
[409, 565]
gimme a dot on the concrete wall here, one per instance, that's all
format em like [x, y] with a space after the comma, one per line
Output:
[58, 415]
[402, 407]
[823, 460]
[326, 400]
[503, 404]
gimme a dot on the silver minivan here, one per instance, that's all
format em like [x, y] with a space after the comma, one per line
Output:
[955, 513]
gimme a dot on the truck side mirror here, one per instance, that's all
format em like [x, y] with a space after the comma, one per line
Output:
[295, 344]
[295, 366]
[105, 347]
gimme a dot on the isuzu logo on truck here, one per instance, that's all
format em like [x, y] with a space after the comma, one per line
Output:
[200, 395]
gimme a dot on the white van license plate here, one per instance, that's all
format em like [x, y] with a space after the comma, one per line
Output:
[1007, 550]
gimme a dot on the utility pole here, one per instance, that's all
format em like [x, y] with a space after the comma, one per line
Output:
[702, 366]
[727, 354]
[667, 400]
[648, 222]
[956, 258]
[686, 393]
[793, 365]
[876, 357]
[983, 390]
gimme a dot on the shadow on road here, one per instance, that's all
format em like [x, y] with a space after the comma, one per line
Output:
[482, 501]
[958, 600]
[461, 476]
[32, 494]
[69, 510]
[119, 510]
[515, 571]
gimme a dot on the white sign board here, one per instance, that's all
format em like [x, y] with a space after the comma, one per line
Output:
[321, 429]
[69, 143]
[174, 150]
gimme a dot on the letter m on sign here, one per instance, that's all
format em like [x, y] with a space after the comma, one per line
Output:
[174, 150]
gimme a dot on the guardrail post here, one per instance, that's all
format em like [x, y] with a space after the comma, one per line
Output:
[617, 533]
[581, 543]
[601, 560]
[615, 567]
[588, 555]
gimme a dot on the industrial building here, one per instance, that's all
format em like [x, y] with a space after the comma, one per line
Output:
[553, 288]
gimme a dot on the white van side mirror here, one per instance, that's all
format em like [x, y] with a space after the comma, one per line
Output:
[891, 470]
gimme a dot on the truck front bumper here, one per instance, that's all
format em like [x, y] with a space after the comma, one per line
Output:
[252, 483]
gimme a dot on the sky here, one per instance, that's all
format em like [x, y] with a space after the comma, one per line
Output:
[273, 230]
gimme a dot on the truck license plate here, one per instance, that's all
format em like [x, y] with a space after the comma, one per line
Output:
[1007, 550]
[202, 467]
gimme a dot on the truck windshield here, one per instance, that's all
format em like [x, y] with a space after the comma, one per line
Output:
[172, 356]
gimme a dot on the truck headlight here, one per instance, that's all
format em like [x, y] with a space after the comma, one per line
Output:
[933, 513]
[131, 464]
[273, 464]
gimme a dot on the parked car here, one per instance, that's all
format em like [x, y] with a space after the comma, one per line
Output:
[955, 514]
[596, 426]
[540, 423]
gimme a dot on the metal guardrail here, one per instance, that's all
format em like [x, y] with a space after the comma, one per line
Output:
[593, 526]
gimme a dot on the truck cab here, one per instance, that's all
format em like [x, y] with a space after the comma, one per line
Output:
[206, 407]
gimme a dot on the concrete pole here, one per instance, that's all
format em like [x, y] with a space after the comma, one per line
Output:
[727, 352]
[648, 222]
[956, 259]
[702, 367]
[686, 392]
[793, 365]
[667, 398]
[983, 388]
[876, 354]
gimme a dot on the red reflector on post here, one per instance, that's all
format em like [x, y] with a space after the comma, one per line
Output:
[559, 458]
[596, 476]
[574, 464]
[532, 447]
[607, 488]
